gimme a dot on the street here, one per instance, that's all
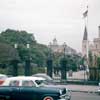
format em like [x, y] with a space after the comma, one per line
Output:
[85, 96]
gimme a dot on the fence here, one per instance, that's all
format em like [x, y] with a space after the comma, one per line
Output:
[91, 76]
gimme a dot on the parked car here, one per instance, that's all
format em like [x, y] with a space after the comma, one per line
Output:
[31, 88]
[2, 78]
[45, 76]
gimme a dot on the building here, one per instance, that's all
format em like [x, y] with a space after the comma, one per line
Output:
[87, 45]
[92, 48]
[56, 48]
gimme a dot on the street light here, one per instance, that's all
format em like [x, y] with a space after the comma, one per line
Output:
[27, 62]
[64, 46]
[63, 63]
[15, 63]
[16, 45]
[49, 62]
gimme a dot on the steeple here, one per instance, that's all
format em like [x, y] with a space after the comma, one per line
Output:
[85, 37]
[55, 41]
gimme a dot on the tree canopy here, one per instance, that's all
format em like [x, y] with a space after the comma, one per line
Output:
[38, 53]
[8, 38]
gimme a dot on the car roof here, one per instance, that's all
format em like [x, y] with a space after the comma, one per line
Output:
[3, 75]
[25, 78]
[43, 75]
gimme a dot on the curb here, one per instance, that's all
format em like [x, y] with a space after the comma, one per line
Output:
[84, 91]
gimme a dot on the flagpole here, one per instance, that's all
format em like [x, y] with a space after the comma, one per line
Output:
[85, 15]
[87, 36]
[87, 69]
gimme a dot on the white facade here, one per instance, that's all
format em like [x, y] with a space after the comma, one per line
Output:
[94, 46]
[55, 47]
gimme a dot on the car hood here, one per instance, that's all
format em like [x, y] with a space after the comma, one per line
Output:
[51, 89]
[55, 86]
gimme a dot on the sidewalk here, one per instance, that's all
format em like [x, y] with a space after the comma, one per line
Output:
[77, 76]
[83, 88]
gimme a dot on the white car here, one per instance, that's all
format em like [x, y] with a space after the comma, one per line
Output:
[23, 81]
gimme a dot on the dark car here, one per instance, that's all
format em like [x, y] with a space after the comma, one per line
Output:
[30, 88]
[32, 93]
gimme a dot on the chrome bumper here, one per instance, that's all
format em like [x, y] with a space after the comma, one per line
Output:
[65, 97]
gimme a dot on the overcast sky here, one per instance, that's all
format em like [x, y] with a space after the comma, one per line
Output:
[48, 19]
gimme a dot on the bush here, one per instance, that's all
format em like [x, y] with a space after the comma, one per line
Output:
[38, 70]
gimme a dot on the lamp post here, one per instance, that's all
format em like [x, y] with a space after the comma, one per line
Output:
[27, 63]
[63, 63]
[49, 62]
[15, 63]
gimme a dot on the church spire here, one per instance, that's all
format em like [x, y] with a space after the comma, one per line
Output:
[85, 37]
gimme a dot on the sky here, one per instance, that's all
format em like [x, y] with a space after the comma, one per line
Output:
[49, 19]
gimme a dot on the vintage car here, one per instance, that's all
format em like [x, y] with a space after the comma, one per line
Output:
[31, 88]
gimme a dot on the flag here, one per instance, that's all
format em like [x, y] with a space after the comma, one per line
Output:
[85, 13]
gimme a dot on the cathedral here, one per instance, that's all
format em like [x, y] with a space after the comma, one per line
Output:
[94, 46]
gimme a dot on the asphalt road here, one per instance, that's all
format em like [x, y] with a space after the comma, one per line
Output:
[85, 96]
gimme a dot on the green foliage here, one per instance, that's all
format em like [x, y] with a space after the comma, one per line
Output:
[38, 70]
[7, 53]
[98, 62]
[37, 52]
[13, 36]
[73, 61]
[90, 59]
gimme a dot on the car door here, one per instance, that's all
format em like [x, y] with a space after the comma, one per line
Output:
[27, 90]
[15, 94]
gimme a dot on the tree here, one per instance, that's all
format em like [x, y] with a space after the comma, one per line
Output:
[90, 59]
[37, 51]
[98, 62]
[7, 53]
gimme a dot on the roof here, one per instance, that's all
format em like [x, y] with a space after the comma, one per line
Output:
[25, 77]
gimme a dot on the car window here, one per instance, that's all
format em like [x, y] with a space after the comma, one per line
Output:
[3, 77]
[28, 83]
[41, 82]
[14, 83]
